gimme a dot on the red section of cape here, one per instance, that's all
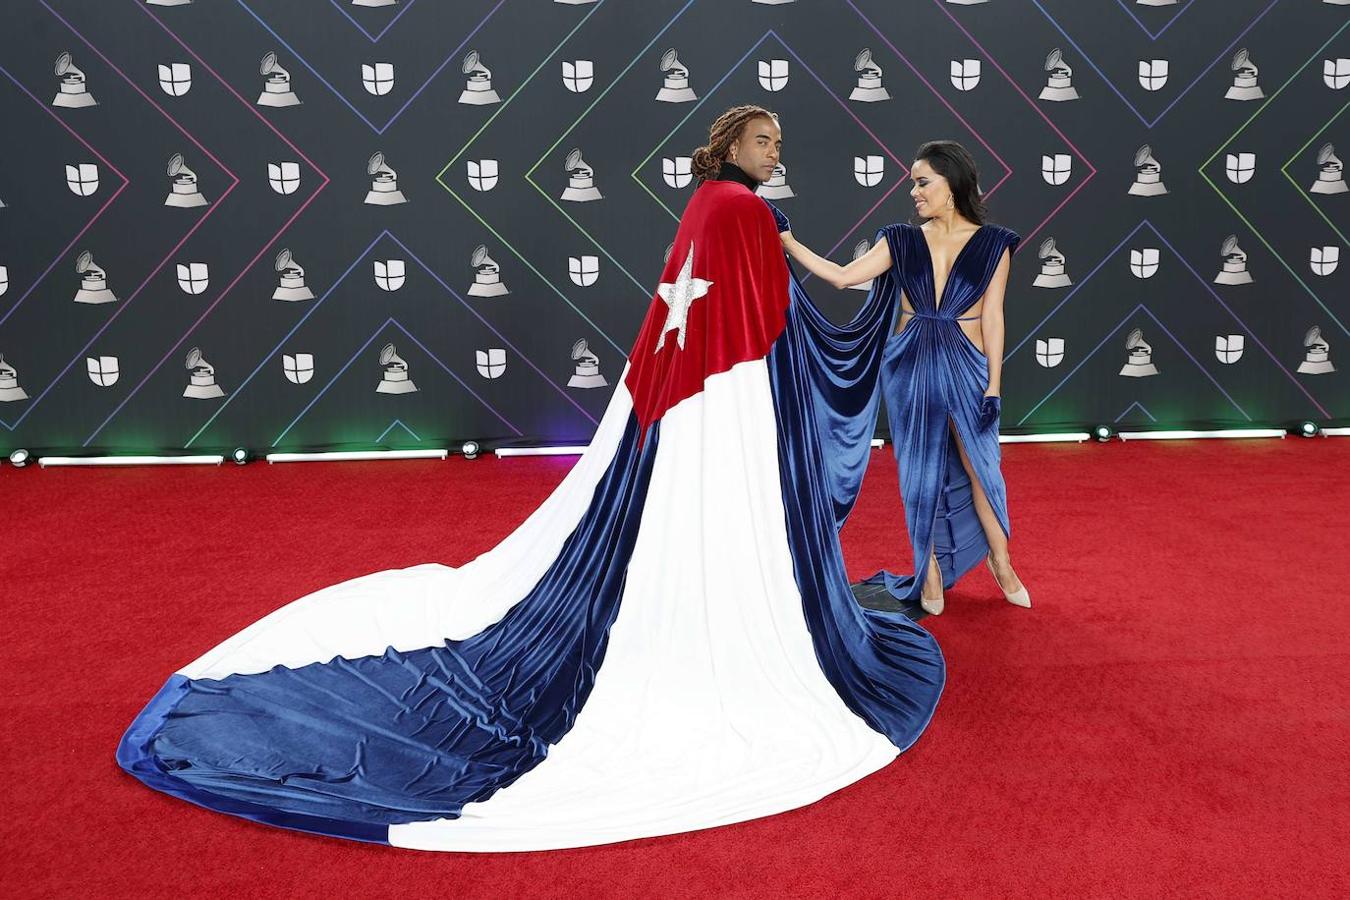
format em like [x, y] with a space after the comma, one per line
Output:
[737, 248]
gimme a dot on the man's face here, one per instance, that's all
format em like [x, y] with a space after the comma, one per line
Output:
[757, 150]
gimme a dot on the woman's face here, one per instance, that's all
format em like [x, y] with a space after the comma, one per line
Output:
[930, 191]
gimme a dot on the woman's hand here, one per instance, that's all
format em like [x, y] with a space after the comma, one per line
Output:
[990, 409]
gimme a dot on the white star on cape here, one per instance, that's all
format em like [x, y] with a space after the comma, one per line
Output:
[679, 297]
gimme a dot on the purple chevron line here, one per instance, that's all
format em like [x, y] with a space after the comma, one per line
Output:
[392, 321]
[1123, 413]
[374, 38]
[1017, 87]
[1007, 169]
[314, 307]
[1175, 100]
[1108, 337]
[270, 241]
[1205, 284]
[87, 225]
[1153, 37]
[378, 129]
[122, 307]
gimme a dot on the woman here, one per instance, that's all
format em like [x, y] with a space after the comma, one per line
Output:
[941, 371]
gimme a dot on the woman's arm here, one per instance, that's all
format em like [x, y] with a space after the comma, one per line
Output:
[991, 324]
[869, 265]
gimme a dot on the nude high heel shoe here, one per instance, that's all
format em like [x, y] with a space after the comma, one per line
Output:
[1019, 597]
[936, 606]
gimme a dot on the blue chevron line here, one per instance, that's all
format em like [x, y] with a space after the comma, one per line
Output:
[1108, 337]
[1126, 411]
[1144, 28]
[399, 423]
[378, 129]
[392, 321]
[375, 39]
[1109, 83]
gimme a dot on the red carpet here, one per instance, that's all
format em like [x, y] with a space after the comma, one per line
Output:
[1169, 720]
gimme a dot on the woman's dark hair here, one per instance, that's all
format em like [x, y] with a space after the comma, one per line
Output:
[706, 161]
[954, 163]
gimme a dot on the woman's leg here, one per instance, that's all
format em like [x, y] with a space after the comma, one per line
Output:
[993, 531]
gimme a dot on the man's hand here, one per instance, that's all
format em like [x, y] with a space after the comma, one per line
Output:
[779, 219]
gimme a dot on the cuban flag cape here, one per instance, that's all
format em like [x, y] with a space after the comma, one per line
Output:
[669, 642]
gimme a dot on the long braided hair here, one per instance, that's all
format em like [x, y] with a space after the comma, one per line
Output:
[707, 160]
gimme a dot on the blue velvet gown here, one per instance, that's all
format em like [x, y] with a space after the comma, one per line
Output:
[930, 374]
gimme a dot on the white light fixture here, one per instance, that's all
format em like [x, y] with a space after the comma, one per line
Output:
[1187, 435]
[343, 455]
[503, 452]
[204, 460]
[1065, 437]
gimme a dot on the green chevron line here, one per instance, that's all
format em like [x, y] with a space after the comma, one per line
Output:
[645, 289]
[1261, 237]
[440, 179]
[1284, 170]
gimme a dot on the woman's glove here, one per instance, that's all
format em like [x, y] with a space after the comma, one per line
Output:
[778, 218]
[990, 408]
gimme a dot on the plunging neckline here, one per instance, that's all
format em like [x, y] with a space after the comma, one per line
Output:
[932, 274]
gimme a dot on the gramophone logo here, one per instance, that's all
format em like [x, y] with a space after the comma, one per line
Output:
[1144, 263]
[675, 88]
[1139, 359]
[1330, 172]
[482, 174]
[1228, 347]
[860, 250]
[777, 187]
[284, 177]
[82, 179]
[1234, 269]
[373, 4]
[1317, 355]
[677, 172]
[390, 274]
[1244, 85]
[276, 83]
[1147, 174]
[491, 363]
[183, 190]
[299, 368]
[9, 383]
[168, 2]
[478, 89]
[773, 74]
[869, 88]
[4, 280]
[377, 78]
[394, 379]
[1056, 169]
[967, 2]
[1156, 2]
[201, 377]
[1059, 79]
[193, 277]
[103, 370]
[1322, 259]
[1049, 352]
[965, 74]
[487, 279]
[175, 79]
[587, 374]
[1153, 74]
[291, 279]
[578, 75]
[583, 270]
[580, 179]
[1336, 73]
[73, 92]
[1240, 167]
[1052, 274]
[93, 281]
[868, 170]
[384, 182]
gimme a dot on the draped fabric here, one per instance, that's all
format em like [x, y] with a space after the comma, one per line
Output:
[667, 643]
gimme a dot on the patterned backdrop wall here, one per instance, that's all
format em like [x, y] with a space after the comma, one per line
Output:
[339, 223]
